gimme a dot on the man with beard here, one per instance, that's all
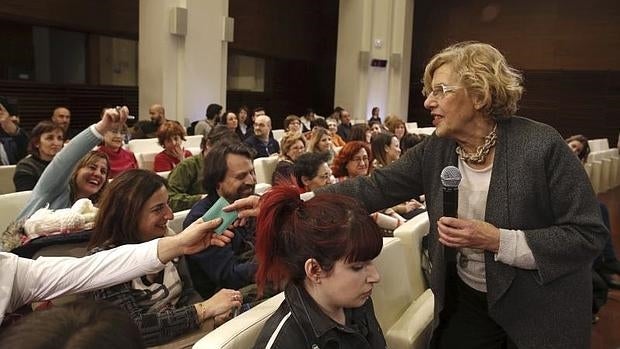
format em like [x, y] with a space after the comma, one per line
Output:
[148, 128]
[228, 173]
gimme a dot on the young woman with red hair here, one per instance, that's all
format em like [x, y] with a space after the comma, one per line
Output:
[320, 251]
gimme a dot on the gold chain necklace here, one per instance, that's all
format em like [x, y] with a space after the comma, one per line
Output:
[481, 151]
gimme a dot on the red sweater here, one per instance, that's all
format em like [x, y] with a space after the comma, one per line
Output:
[165, 162]
[120, 160]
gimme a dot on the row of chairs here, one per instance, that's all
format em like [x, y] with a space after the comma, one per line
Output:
[603, 165]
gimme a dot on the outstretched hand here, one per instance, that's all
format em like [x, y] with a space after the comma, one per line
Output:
[195, 238]
[246, 207]
[111, 119]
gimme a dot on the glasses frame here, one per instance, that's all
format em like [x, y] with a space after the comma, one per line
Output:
[439, 91]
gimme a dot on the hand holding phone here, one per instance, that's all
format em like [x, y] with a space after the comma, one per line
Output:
[216, 212]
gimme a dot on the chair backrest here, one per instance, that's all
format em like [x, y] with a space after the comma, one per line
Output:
[6, 179]
[598, 144]
[261, 188]
[264, 168]
[10, 206]
[193, 141]
[278, 134]
[242, 331]
[146, 160]
[176, 223]
[411, 233]
[164, 174]
[145, 145]
[393, 294]
[411, 126]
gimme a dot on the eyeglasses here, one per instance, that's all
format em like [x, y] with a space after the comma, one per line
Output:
[439, 91]
[360, 159]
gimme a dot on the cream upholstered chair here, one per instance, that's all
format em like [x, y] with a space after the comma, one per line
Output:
[176, 223]
[146, 160]
[411, 126]
[6, 179]
[264, 168]
[278, 134]
[403, 304]
[242, 331]
[145, 145]
[10, 206]
[193, 141]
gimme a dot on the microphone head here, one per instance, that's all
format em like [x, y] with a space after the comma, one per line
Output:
[450, 177]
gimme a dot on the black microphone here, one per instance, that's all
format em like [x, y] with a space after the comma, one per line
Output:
[450, 179]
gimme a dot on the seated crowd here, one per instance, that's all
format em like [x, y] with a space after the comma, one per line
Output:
[153, 285]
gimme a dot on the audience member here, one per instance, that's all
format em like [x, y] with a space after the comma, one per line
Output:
[76, 172]
[76, 325]
[293, 145]
[61, 116]
[13, 139]
[344, 129]
[262, 141]
[321, 252]
[580, 147]
[212, 117]
[46, 140]
[244, 129]
[375, 128]
[148, 128]
[120, 159]
[228, 173]
[374, 116]
[25, 280]
[360, 132]
[332, 127]
[352, 160]
[185, 186]
[512, 273]
[321, 141]
[231, 121]
[312, 171]
[307, 118]
[397, 126]
[171, 136]
[133, 209]
[409, 141]
[292, 124]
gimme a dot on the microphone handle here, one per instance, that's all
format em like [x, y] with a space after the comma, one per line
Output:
[450, 202]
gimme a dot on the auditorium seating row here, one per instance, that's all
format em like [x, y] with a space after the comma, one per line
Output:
[603, 165]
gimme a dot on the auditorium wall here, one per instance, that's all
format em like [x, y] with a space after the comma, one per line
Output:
[568, 50]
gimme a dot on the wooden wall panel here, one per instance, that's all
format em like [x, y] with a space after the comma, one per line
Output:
[38, 100]
[569, 52]
[109, 17]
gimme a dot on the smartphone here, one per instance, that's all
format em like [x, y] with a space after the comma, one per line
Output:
[10, 104]
[216, 212]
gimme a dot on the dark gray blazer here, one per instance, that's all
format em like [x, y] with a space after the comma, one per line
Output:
[538, 186]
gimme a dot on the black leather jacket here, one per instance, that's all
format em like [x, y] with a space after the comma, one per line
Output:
[299, 323]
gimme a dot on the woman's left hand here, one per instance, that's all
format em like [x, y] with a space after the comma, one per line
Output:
[456, 232]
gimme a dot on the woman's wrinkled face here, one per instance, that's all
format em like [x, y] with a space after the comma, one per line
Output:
[452, 111]
[50, 143]
[114, 139]
[154, 216]
[322, 178]
[91, 178]
[358, 165]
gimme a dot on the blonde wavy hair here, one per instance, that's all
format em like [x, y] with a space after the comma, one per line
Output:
[484, 72]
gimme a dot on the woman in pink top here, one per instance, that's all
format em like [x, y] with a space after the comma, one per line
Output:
[120, 159]
[171, 136]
